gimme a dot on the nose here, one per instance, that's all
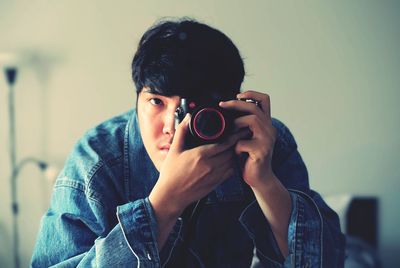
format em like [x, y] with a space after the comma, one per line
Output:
[169, 123]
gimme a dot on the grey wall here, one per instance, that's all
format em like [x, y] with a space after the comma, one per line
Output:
[331, 69]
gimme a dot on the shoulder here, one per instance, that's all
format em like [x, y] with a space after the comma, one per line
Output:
[284, 136]
[287, 162]
[99, 148]
[106, 140]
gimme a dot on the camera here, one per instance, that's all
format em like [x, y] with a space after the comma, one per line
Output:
[209, 123]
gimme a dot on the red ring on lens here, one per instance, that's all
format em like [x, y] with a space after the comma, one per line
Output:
[217, 135]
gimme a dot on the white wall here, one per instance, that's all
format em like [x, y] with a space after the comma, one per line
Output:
[332, 70]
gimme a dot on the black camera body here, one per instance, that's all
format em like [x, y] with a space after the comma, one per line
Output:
[209, 123]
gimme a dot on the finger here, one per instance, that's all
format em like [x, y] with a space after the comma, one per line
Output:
[264, 99]
[247, 146]
[178, 142]
[262, 131]
[250, 94]
[251, 122]
[246, 107]
[255, 150]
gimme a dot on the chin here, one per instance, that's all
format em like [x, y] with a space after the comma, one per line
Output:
[157, 158]
[159, 162]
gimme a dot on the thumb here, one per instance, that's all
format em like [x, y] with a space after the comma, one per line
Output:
[178, 142]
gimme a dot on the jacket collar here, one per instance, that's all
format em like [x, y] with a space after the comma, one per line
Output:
[139, 171]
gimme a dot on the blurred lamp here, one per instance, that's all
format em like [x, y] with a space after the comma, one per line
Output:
[10, 62]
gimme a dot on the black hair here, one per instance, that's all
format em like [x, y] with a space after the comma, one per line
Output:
[187, 58]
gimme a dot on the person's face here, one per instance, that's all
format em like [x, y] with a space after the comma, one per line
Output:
[156, 114]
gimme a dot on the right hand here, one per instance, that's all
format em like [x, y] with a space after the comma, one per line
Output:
[189, 175]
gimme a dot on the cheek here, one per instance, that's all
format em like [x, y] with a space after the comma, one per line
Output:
[151, 129]
[150, 126]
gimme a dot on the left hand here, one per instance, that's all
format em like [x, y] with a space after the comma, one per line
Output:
[257, 168]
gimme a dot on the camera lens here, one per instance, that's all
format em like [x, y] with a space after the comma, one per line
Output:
[208, 124]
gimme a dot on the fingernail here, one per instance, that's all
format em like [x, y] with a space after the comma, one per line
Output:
[221, 103]
[187, 116]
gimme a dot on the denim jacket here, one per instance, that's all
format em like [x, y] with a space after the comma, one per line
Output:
[100, 215]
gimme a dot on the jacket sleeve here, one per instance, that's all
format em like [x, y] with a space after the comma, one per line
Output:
[314, 235]
[74, 233]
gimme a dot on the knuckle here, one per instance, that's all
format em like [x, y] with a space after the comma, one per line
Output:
[197, 158]
[264, 150]
[253, 118]
[239, 145]
[207, 169]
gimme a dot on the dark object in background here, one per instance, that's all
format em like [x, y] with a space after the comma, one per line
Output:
[362, 233]
[11, 74]
[362, 219]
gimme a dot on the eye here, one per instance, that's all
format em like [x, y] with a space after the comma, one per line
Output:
[155, 101]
